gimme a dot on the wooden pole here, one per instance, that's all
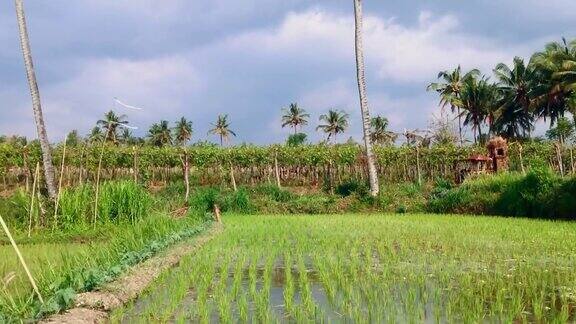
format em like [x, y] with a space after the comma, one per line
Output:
[217, 214]
[559, 156]
[418, 165]
[233, 179]
[186, 170]
[80, 173]
[277, 170]
[36, 176]
[520, 148]
[98, 183]
[60, 183]
[572, 159]
[135, 164]
[17, 250]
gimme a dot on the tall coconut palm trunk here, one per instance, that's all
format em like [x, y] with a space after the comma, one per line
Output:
[460, 127]
[36, 106]
[360, 70]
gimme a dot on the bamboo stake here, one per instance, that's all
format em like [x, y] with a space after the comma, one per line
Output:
[36, 176]
[418, 165]
[276, 170]
[27, 170]
[135, 164]
[17, 250]
[572, 159]
[233, 178]
[559, 156]
[520, 148]
[60, 183]
[217, 214]
[81, 166]
[98, 183]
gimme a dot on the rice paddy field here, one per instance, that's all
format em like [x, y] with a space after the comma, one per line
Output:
[356, 268]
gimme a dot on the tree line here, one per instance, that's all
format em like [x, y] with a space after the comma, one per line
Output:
[544, 88]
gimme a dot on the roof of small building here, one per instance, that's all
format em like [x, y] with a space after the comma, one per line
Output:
[478, 158]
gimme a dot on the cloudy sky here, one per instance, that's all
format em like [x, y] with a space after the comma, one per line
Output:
[250, 58]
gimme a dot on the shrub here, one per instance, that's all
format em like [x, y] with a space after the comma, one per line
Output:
[275, 193]
[238, 201]
[531, 196]
[204, 199]
[540, 194]
[353, 186]
[405, 197]
[313, 204]
[567, 199]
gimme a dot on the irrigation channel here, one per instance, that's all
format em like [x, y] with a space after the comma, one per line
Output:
[354, 268]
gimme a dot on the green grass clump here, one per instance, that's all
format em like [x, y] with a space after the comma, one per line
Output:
[203, 200]
[119, 201]
[123, 201]
[76, 207]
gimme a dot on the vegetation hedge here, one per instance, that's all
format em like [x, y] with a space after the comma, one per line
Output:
[12, 155]
[539, 194]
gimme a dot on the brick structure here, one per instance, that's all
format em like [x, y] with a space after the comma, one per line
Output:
[498, 152]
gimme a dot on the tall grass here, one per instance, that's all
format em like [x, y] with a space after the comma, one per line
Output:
[120, 201]
[123, 201]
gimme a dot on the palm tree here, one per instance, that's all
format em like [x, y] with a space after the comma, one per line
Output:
[380, 133]
[222, 129]
[478, 100]
[366, 121]
[183, 134]
[110, 123]
[36, 104]
[96, 135]
[513, 116]
[160, 134]
[294, 117]
[555, 73]
[335, 122]
[127, 137]
[450, 90]
[183, 131]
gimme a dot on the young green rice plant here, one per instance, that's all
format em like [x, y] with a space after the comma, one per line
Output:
[305, 289]
[288, 292]
[253, 277]
[220, 294]
[238, 276]
[243, 308]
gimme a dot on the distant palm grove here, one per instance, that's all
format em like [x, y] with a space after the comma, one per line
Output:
[543, 88]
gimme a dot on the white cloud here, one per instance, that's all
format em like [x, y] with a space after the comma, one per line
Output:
[158, 85]
[399, 52]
